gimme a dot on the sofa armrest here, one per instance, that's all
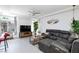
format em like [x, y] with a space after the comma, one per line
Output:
[75, 46]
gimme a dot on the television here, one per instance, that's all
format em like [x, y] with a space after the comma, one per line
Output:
[25, 28]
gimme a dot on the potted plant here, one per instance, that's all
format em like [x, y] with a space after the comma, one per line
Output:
[35, 27]
[75, 26]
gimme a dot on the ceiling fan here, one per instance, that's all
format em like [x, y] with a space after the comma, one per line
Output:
[34, 12]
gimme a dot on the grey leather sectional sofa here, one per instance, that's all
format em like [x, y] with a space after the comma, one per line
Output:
[59, 41]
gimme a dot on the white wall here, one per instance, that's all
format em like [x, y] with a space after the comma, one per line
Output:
[22, 20]
[64, 23]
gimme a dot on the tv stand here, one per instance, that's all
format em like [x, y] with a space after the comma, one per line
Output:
[25, 34]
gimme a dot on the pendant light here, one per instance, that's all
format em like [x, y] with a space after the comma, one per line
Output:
[73, 13]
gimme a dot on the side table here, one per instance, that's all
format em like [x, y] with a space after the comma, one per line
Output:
[34, 40]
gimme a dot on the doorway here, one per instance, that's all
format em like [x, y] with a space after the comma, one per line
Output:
[8, 25]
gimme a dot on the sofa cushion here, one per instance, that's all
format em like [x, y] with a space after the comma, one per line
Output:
[46, 41]
[44, 45]
[54, 34]
[58, 46]
[72, 38]
[65, 36]
[60, 34]
[53, 37]
[65, 43]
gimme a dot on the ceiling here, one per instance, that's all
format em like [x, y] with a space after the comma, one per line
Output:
[23, 9]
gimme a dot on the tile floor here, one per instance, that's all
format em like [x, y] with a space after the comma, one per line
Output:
[21, 45]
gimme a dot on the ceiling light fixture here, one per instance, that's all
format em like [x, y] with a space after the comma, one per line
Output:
[74, 13]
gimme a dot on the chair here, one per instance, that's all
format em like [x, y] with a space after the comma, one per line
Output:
[3, 37]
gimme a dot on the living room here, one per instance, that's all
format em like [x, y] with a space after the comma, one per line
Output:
[30, 26]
